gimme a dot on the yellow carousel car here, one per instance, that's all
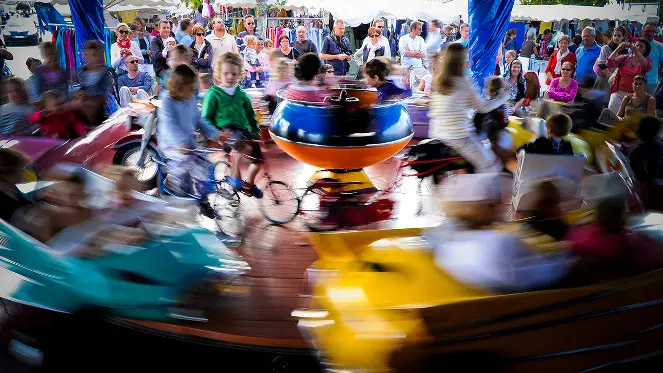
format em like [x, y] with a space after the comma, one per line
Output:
[380, 303]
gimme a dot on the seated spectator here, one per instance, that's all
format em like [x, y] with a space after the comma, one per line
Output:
[646, 159]
[564, 88]
[558, 58]
[12, 165]
[547, 217]
[96, 81]
[500, 261]
[55, 120]
[30, 83]
[633, 107]
[376, 74]
[557, 126]
[306, 89]
[14, 115]
[134, 84]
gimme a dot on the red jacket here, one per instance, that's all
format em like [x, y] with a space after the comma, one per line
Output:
[59, 124]
[571, 57]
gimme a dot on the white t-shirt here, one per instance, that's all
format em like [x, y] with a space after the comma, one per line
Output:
[383, 41]
[222, 45]
[118, 61]
[230, 91]
[498, 261]
[409, 44]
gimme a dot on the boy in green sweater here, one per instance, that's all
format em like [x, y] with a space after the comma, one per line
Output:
[229, 108]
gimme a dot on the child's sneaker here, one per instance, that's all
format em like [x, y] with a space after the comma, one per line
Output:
[235, 182]
[255, 191]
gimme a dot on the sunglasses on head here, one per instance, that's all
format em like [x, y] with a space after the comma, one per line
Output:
[123, 32]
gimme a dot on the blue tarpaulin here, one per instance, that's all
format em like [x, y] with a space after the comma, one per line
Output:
[489, 20]
[46, 15]
[88, 17]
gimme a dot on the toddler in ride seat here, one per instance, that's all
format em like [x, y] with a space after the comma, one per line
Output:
[55, 120]
[376, 74]
[558, 126]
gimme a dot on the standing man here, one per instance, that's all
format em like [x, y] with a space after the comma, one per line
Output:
[186, 27]
[433, 42]
[143, 41]
[587, 54]
[221, 41]
[656, 55]
[249, 29]
[303, 45]
[379, 24]
[157, 45]
[336, 50]
[412, 49]
[464, 35]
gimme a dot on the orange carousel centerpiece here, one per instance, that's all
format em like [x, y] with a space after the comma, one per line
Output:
[341, 137]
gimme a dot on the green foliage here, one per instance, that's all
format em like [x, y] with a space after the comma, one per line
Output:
[565, 2]
[194, 4]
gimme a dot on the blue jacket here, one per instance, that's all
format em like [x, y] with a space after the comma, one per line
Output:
[389, 89]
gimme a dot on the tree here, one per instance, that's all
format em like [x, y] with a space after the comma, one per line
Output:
[195, 4]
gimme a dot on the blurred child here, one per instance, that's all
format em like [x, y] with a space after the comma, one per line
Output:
[306, 89]
[494, 123]
[547, 217]
[55, 121]
[179, 118]
[96, 81]
[255, 74]
[646, 158]
[66, 201]
[376, 75]
[229, 108]
[125, 185]
[280, 78]
[180, 55]
[324, 72]
[426, 82]
[12, 165]
[557, 126]
[205, 82]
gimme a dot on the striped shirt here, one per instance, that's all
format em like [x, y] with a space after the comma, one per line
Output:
[450, 113]
[14, 119]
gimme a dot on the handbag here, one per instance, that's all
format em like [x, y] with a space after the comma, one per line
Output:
[613, 79]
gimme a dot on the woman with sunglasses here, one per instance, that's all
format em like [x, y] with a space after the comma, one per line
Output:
[372, 49]
[122, 48]
[564, 88]
[203, 53]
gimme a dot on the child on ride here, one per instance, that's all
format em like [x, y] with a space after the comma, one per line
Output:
[376, 75]
[12, 165]
[453, 96]
[229, 108]
[474, 252]
[494, 123]
[547, 217]
[179, 118]
[280, 77]
[557, 126]
[306, 89]
[646, 159]
[55, 120]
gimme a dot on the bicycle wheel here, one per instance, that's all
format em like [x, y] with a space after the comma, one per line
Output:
[280, 204]
[319, 216]
[228, 214]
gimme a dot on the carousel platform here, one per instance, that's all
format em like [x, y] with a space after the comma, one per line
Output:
[253, 327]
[279, 256]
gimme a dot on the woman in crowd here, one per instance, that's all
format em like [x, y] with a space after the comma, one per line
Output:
[370, 50]
[632, 108]
[203, 53]
[545, 48]
[452, 97]
[516, 86]
[50, 75]
[529, 46]
[285, 49]
[142, 38]
[123, 47]
[14, 114]
[510, 40]
[603, 72]
[628, 67]
[564, 88]
[509, 57]
[563, 54]
[96, 81]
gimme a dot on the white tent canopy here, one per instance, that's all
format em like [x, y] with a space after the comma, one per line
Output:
[122, 5]
[552, 13]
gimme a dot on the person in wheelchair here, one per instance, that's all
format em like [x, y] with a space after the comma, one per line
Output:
[179, 118]
[557, 126]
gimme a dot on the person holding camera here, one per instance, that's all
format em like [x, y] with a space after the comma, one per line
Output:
[336, 50]
[637, 62]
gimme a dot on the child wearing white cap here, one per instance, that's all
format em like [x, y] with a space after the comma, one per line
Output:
[480, 256]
